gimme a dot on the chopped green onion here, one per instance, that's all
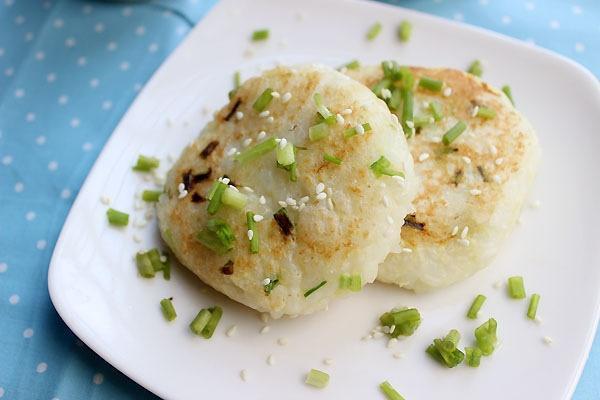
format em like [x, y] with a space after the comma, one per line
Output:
[533, 306]
[292, 169]
[407, 111]
[486, 113]
[395, 100]
[476, 68]
[354, 64]
[332, 159]
[117, 218]
[167, 270]
[261, 34]
[316, 378]
[454, 132]
[389, 392]
[476, 306]
[285, 155]
[199, 323]
[237, 81]
[391, 70]
[154, 257]
[234, 198]
[431, 84]
[445, 350]
[257, 150]
[263, 100]
[404, 31]
[151, 196]
[385, 83]
[436, 110]
[144, 265]
[352, 131]
[408, 79]
[217, 236]
[314, 289]
[383, 166]
[268, 287]
[374, 31]
[422, 121]
[145, 164]
[215, 197]
[351, 282]
[486, 338]
[254, 241]
[516, 288]
[450, 342]
[168, 310]
[401, 321]
[321, 109]
[508, 92]
[473, 356]
[216, 313]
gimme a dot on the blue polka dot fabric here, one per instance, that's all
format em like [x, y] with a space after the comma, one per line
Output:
[68, 71]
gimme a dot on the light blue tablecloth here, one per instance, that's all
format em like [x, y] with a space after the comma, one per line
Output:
[68, 71]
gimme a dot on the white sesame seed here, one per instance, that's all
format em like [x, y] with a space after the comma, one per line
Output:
[466, 159]
[497, 178]
[347, 111]
[464, 242]
[265, 329]
[290, 201]
[282, 143]
[180, 187]
[244, 375]
[493, 150]
[250, 234]
[304, 199]
[162, 258]
[397, 355]
[258, 218]
[275, 95]
[282, 203]
[386, 201]
[247, 142]
[386, 329]
[248, 189]
[239, 115]
[271, 360]
[464, 233]
[475, 111]
[386, 93]
[282, 341]
[391, 342]
[234, 188]
[390, 220]
[137, 239]
[339, 119]
[322, 196]
[262, 200]
[499, 161]
[447, 91]
[410, 124]
[398, 179]
[225, 180]
[475, 192]
[327, 361]
[359, 129]
[105, 200]
[231, 331]
[392, 328]
[319, 188]
[231, 151]
[423, 156]
[264, 114]
[286, 97]
[406, 250]
[547, 340]
[454, 230]
[261, 135]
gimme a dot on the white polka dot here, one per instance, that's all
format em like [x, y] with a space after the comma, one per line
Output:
[40, 140]
[41, 244]
[458, 16]
[529, 6]
[87, 146]
[28, 36]
[19, 187]
[9, 3]
[124, 66]
[98, 379]
[111, 46]
[94, 82]
[7, 160]
[3, 267]
[65, 193]
[87, 9]
[70, 42]
[27, 333]
[41, 368]
[554, 24]
[40, 55]
[153, 47]
[19, 93]
[75, 122]
[99, 27]
[579, 47]
[63, 99]
[30, 216]
[106, 105]
[14, 299]
[577, 10]
[140, 30]
[19, 19]
[127, 11]
[30, 117]
[81, 61]
[58, 23]
[1, 391]
[52, 166]
[9, 71]
[51, 77]
[506, 19]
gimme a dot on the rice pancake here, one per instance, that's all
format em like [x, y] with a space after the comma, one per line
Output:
[336, 228]
[472, 190]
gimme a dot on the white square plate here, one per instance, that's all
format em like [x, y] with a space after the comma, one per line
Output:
[95, 288]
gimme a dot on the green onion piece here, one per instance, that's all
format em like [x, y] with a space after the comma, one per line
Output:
[351, 282]
[145, 164]
[254, 242]
[422, 121]
[431, 84]
[407, 111]
[292, 169]
[144, 265]
[234, 198]
[285, 155]
[352, 131]
[454, 132]
[486, 338]
[516, 288]
[476, 68]
[217, 236]
[216, 197]
[485, 113]
[216, 313]
[237, 80]
[167, 270]
[332, 159]
[314, 289]
[533, 306]
[436, 110]
[261, 34]
[257, 150]
[117, 218]
[404, 31]
[318, 132]
[508, 92]
[354, 64]
[316, 378]
[391, 70]
[154, 257]
[385, 83]
[151, 196]
[408, 79]
[168, 310]
[445, 350]
[476, 306]
[374, 31]
[389, 392]
[383, 166]
[321, 109]
[199, 323]
[404, 321]
[395, 101]
[263, 100]
[451, 340]
[268, 287]
[473, 356]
